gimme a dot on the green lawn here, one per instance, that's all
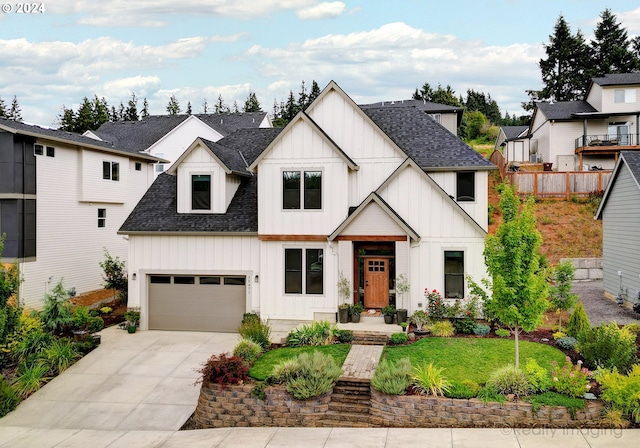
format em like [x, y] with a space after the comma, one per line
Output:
[472, 358]
[264, 365]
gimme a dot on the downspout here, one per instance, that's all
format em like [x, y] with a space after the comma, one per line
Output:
[637, 130]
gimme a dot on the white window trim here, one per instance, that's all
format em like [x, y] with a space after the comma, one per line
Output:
[190, 187]
[465, 287]
[475, 189]
[304, 248]
[302, 209]
[111, 164]
[629, 96]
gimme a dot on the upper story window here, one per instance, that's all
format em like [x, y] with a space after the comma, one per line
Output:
[51, 151]
[624, 96]
[160, 166]
[38, 150]
[111, 171]
[138, 166]
[465, 186]
[436, 117]
[302, 188]
[201, 192]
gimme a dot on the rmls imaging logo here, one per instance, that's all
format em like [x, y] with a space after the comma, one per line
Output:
[23, 8]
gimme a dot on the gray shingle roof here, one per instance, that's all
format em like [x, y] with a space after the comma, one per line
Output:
[428, 143]
[633, 162]
[512, 132]
[614, 79]
[427, 106]
[140, 135]
[68, 137]
[564, 110]
[157, 211]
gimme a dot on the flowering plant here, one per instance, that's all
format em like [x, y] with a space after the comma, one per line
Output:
[437, 307]
[569, 379]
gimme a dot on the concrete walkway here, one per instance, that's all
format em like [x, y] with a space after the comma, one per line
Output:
[361, 362]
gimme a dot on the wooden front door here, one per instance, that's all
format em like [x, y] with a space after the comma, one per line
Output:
[376, 282]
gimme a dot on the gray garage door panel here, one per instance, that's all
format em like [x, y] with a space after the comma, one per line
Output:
[196, 307]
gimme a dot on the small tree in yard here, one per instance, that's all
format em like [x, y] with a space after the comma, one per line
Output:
[560, 294]
[519, 288]
[9, 312]
[115, 276]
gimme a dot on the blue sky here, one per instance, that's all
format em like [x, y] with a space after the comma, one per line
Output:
[196, 49]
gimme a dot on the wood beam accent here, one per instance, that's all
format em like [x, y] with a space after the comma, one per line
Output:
[370, 238]
[292, 237]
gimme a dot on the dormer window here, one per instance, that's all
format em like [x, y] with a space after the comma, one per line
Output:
[297, 193]
[201, 192]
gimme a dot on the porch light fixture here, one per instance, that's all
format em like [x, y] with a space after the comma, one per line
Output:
[134, 276]
[256, 278]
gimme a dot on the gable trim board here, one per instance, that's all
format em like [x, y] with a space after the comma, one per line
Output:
[616, 171]
[209, 146]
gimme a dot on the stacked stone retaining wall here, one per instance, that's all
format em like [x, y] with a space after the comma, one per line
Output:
[235, 406]
[587, 269]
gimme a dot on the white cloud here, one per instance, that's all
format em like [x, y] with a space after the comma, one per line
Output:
[119, 13]
[325, 10]
[390, 61]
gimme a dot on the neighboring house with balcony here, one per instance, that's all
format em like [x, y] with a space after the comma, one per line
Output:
[266, 220]
[581, 135]
[620, 214]
[167, 136]
[63, 196]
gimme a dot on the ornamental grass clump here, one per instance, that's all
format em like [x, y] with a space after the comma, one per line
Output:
[248, 350]
[430, 380]
[307, 375]
[510, 380]
[256, 330]
[443, 328]
[316, 333]
[392, 378]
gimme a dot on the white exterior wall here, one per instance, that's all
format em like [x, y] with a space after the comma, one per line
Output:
[373, 220]
[200, 161]
[172, 145]
[476, 209]
[69, 244]
[450, 121]
[609, 105]
[231, 186]
[278, 305]
[193, 255]
[595, 97]
[303, 149]
[93, 187]
[517, 151]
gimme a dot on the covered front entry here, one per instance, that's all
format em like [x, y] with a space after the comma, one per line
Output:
[196, 302]
[374, 265]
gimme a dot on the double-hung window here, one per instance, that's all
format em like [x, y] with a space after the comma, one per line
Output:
[102, 217]
[302, 189]
[624, 96]
[454, 274]
[111, 171]
[303, 271]
[465, 186]
[200, 192]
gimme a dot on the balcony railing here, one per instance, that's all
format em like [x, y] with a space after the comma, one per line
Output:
[595, 141]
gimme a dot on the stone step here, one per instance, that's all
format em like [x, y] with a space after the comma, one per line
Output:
[339, 423]
[350, 398]
[369, 338]
[352, 390]
[350, 408]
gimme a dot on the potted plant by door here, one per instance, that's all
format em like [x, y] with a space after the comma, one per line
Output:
[344, 290]
[356, 310]
[132, 317]
[402, 287]
[388, 312]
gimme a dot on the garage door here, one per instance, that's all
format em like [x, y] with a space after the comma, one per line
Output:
[196, 303]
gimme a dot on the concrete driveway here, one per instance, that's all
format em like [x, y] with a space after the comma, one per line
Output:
[141, 381]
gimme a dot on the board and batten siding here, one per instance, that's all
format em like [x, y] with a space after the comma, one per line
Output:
[70, 245]
[193, 255]
[171, 146]
[373, 221]
[201, 162]
[275, 304]
[301, 149]
[476, 209]
[621, 236]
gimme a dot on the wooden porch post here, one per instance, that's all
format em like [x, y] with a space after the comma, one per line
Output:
[580, 167]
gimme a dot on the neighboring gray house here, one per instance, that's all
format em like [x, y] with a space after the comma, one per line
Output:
[620, 215]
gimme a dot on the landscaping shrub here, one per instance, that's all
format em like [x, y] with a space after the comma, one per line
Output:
[509, 380]
[398, 338]
[392, 378]
[608, 346]
[569, 379]
[538, 377]
[481, 329]
[316, 333]
[442, 328]
[60, 355]
[436, 308]
[555, 399]
[632, 328]
[30, 377]
[309, 375]
[420, 319]
[256, 330]
[31, 344]
[578, 322]
[95, 324]
[429, 380]
[224, 370]
[56, 314]
[9, 399]
[465, 325]
[248, 350]
[503, 333]
[343, 336]
[567, 343]
[463, 389]
[250, 318]
[622, 392]
[559, 334]
[80, 318]
[489, 393]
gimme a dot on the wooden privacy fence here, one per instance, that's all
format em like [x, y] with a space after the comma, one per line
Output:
[548, 184]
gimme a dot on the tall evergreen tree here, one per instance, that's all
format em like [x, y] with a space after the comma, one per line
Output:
[131, 112]
[314, 93]
[252, 104]
[290, 108]
[84, 117]
[612, 50]
[144, 113]
[441, 95]
[173, 107]
[114, 114]
[4, 113]
[235, 109]
[205, 106]
[220, 106]
[189, 111]
[100, 112]
[67, 120]
[302, 97]
[15, 113]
